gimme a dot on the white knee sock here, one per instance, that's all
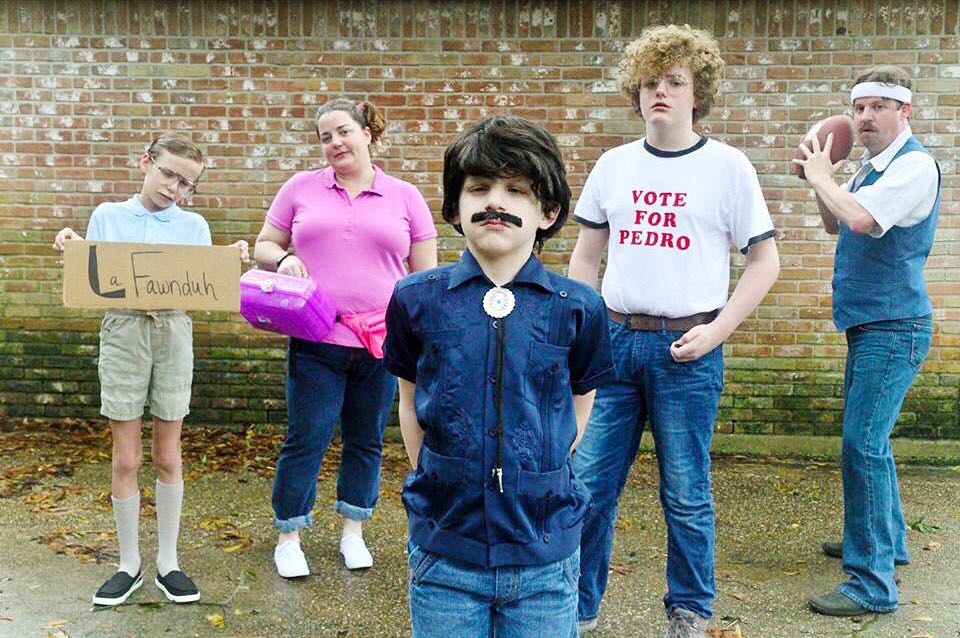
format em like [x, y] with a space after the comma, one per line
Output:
[169, 504]
[126, 512]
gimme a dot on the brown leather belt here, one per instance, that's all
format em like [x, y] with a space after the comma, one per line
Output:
[650, 323]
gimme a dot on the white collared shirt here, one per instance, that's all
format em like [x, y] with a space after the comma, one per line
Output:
[904, 196]
[129, 221]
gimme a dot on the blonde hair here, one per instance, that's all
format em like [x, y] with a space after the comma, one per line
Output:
[176, 144]
[659, 48]
[363, 113]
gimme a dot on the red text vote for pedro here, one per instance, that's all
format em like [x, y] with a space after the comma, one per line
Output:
[655, 216]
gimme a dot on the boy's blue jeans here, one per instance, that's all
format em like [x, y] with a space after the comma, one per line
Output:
[455, 599]
[681, 401]
[327, 383]
[882, 361]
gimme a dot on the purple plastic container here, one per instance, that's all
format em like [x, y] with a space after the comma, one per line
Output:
[289, 305]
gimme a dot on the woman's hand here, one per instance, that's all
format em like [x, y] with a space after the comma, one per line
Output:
[293, 266]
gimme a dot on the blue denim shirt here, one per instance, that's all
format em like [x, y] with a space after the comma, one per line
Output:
[554, 344]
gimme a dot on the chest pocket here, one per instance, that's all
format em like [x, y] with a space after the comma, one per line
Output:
[547, 386]
[440, 381]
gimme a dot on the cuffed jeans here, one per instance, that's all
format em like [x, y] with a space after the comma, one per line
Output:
[454, 599]
[681, 401]
[882, 361]
[327, 383]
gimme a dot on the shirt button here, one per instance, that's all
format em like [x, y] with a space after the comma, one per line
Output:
[492, 432]
[492, 379]
[495, 324]
[563, 293]
[546, 538]
[431, 277]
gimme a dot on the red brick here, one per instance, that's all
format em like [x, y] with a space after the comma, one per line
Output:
[255, 102]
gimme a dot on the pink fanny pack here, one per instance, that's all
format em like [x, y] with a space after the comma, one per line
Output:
[370, 328]
[292, 306]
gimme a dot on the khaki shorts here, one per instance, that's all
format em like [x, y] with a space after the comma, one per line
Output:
[145, 359]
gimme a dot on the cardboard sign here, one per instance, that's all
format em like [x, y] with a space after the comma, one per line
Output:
[103, 274]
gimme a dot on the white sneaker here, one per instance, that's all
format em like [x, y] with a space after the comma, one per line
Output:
[686, 624]
[290, 561]
[355, 553]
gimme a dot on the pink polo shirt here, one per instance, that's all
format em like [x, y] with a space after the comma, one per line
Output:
[354, 249]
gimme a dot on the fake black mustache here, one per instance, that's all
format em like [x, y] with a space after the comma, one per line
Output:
[492, 215]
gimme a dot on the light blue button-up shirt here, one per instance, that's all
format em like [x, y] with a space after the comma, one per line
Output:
[129, 221]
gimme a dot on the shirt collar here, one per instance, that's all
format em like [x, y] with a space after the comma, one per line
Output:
[883, 159]
[329, 179]
[467, 268]
[139, 210]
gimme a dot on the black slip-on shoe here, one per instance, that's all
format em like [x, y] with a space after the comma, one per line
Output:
[117, 589]
[177, 587]
[835, 550]
[836, 604]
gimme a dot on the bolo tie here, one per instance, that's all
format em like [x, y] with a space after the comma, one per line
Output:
[498, 302]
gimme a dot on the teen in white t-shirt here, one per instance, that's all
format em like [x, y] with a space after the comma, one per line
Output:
[667, 209]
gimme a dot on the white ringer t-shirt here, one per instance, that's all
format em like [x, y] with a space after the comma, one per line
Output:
[673, 217]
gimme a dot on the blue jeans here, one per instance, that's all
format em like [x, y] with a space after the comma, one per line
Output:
[453, 599]
[681, 401]
[882, 361]
[327, 383]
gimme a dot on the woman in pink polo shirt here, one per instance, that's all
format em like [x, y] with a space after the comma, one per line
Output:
[355, 231]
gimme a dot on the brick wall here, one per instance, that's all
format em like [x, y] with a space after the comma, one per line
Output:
[85, 85]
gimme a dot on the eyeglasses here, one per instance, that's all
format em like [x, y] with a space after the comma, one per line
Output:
[183, 184]
[675, 84]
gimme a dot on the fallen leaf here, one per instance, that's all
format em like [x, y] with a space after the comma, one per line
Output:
[920, 525]
[57, 623]
[733, 632]
[216, 620]
[791, 572]
[623, 570]
[932, 546]
[8, 618]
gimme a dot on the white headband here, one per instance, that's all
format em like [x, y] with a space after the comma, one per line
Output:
[879, 89]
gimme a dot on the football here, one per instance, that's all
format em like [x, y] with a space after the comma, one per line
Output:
[842, 128]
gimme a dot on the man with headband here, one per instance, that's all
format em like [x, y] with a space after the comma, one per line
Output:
[885, 217]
